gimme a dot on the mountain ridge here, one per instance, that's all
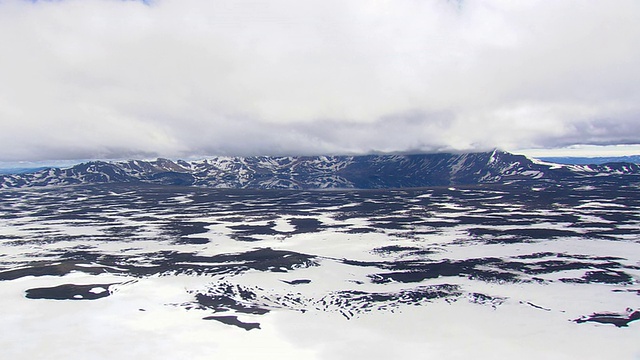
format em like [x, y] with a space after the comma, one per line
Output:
[319, 172]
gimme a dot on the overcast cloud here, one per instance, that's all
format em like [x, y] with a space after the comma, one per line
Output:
[181, 78]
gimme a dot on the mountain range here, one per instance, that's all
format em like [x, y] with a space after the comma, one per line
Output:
[320, 172]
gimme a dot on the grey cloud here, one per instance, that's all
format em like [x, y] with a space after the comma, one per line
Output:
[94, 78]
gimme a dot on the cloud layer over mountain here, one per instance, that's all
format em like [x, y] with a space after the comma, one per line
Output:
[111, 78]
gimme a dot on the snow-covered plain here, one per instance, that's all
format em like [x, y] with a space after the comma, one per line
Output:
[500, 272]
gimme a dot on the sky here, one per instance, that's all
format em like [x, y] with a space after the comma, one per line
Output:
[116, 79]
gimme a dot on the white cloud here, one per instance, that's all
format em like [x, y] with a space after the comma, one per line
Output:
[110, 78]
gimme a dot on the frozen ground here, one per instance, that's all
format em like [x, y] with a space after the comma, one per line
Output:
[500, 272]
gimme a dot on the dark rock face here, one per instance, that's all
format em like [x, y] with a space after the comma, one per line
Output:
[318, 172]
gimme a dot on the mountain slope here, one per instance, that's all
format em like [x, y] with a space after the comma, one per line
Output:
[317, 172]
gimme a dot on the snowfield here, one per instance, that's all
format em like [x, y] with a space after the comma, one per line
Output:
[485, 272]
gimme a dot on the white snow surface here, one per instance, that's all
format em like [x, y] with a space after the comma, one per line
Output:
[143, 317]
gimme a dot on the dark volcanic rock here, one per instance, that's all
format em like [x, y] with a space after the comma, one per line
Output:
[617, 319]
[233, 320]
[70, 292]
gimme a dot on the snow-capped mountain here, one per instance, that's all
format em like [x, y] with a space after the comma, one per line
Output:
[318, 172]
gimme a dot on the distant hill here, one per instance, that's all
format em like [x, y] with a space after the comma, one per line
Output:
[634, 159]
[320, 172]
[21, 170]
